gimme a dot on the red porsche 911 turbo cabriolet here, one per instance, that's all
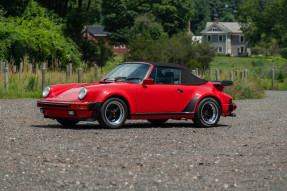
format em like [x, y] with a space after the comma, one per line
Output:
[139, 90]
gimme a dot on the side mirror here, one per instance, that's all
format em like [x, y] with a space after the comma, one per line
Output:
[147, 82]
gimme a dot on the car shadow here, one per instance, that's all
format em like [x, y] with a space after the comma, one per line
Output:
[141, 125]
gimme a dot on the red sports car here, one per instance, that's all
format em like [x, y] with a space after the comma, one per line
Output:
[139, 90]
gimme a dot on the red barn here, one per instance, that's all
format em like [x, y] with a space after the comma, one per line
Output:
[94, 32]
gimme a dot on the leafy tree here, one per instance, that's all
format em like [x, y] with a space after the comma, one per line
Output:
[90, 51]
[146, 25]
[104, 55]
[263, 20]
[119, 15]
[201, 15]
[178, 49]
[37, 34]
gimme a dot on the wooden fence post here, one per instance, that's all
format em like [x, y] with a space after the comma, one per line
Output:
[21, 68]
[37, 68]
[79, 75]
[231, 75]
[241, 75]
[71, 69]
[236, 74]
[14, 69]
[216, 75]
[67, 71]
[245, 74]
[273, 76]
[96, 72]
[44, 76]
[196, 71]
[210, 73]
[6, 77]
[30, 68]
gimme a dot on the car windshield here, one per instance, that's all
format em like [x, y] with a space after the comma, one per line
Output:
[134, 73]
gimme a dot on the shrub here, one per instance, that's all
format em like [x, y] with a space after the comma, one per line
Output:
[280, 77]
[283, 52]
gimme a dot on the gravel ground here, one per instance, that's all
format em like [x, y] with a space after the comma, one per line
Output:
[248, 152]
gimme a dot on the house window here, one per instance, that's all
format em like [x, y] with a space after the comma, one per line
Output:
[123, 46]
[220, 38]
[220, 49]
[214, 29]
[241, 49]
[116, 46]
[208, 37]
[241, 39]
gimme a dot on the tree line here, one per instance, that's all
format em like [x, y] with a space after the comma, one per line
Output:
[49, 30]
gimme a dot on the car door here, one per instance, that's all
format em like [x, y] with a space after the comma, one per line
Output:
[164, 95]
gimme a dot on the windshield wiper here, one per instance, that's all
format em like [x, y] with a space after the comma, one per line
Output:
[133, 79]
[120, 78]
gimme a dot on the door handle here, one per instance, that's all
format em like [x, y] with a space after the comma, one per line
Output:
[179, 90]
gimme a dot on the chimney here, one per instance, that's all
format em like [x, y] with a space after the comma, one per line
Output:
[216, 20]
[188, 28]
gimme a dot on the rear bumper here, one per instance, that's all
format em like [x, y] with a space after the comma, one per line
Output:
[227, 109]
[78, 111]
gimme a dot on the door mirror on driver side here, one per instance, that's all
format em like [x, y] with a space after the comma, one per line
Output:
[148, 82]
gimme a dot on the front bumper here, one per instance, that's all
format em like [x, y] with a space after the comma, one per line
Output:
[78, 111]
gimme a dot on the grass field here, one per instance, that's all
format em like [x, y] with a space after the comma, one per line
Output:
[29, 85]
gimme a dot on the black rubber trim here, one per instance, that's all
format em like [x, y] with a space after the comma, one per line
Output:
[230, 106]
[53, 105]
[190, 106]
[222, 83]
[162, 113]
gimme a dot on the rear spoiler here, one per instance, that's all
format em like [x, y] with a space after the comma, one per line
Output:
[222, 83]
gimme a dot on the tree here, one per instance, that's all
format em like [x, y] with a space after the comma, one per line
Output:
[146, 25]
[119, 15]
[37, 34]
[263, 20]
[104, 55]
[201, 15]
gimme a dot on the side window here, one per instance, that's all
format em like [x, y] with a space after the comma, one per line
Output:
[163, 75]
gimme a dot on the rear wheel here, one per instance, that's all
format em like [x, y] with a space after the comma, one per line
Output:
[113, 113]
[207, 113]
[157, 121]
[67, 123]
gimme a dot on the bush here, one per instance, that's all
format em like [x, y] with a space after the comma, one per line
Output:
[280, 77]
[283, 53]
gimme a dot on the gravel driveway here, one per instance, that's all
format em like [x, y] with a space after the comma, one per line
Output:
[248, 152]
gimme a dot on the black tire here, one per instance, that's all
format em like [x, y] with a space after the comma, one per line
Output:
[157, 121]
[207, 113]
[113, 113]
[67, 123]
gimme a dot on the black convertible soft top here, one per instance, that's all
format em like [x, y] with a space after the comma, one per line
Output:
[187, 78]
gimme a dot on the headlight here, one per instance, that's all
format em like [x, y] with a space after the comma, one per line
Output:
[82, 93]
[46, 91]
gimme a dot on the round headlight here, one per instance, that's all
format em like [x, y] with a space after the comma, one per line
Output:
[46, 91]
[82, 93]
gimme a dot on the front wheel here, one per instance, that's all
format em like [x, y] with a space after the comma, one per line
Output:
[67, 123]
[113, 113]
[207, 113]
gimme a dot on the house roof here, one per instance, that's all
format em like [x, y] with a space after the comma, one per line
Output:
[229, 27]
[97, 30]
